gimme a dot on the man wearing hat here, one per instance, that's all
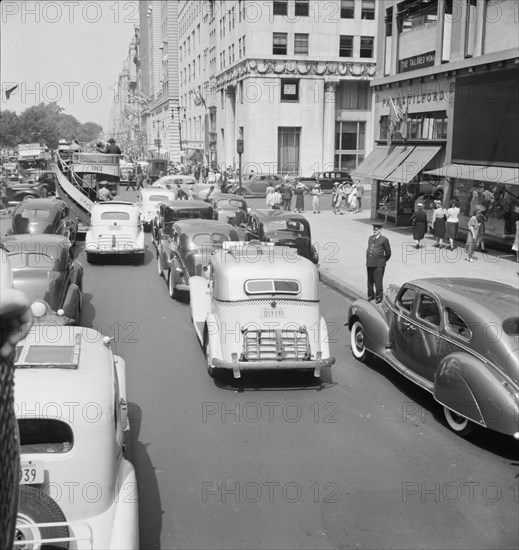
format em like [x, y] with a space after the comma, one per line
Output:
[377, 254]
[112, 147]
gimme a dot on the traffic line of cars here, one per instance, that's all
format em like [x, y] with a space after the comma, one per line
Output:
[78, 488]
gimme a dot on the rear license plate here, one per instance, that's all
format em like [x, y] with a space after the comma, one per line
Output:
[31, 472]
[273, 313]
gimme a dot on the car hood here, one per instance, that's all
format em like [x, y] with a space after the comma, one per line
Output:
[40, 285]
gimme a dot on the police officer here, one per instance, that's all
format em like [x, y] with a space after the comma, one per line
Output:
[377, 254]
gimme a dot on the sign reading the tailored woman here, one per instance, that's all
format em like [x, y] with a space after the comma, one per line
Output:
[416, 62]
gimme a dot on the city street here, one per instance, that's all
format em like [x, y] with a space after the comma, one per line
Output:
[361, 460]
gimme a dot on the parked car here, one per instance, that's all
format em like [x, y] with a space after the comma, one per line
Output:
[454, 337]
[43, 267]
[230, 209]
[115, 229]
[327, 179]
[39, 216]
[281, 228]
[173, 211]
[72, 410]
[17, 191]
[258, 311]
[149, 200]
[256, 186]
[188, 250]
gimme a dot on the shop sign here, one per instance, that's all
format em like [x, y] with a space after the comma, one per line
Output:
[420, 97]
[416, 62]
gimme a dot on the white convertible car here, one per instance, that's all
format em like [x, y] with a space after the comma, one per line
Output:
[115, 229]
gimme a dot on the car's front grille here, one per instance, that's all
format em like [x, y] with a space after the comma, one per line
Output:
[275, 345]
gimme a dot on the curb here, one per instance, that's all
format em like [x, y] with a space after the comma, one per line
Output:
[340, 286]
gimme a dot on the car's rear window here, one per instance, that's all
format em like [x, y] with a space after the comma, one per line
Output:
[227, 203]
[45, 435]
[285, 225]
[36, 214]
[272, 286]
[511, 326]
[118, 216]
[158, 198]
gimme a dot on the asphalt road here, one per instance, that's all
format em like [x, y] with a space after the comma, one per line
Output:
[361, 460]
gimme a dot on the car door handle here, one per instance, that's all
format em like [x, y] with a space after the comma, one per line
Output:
[409, 327]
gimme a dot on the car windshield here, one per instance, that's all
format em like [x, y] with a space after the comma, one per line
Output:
[44, 435]
[33, 261]
[115, 216]
[285, 225]
[229, 203]
[272, 286]
[36, 214]
[174, 215]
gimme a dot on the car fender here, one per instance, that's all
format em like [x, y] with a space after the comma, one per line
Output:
[475, 390]
[376, 329]
[200, 302]
[125, 526]
[77, 274]
[324, 338]
[212, 330]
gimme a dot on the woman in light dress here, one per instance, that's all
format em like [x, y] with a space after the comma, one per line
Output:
[316, 198]
[438, 223]
[451, 225]
[472, 237]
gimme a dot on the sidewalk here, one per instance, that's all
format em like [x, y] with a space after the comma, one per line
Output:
[342, 241]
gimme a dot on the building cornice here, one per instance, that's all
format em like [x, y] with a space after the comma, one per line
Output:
[299, 68]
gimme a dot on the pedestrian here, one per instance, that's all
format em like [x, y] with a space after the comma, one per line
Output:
[140, 177]
[316, 198]
[104, 193]
[377, 255]
[131, 180]
[335, 191]
[277, 198]
[451, 225]
[515, 246]
[337, 199]
[352, 199]
[472, 237]
[300, 192]
[482, 220]
[360, 192]
[287, 193]
[269, 194]
[112, 148]
[419, 221]
[438, 223]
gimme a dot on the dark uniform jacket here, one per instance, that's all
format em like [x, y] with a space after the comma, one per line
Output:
[378, 252]
[113, 149]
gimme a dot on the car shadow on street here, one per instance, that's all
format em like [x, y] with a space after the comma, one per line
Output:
[281, 380]
[488, 440]
[88, 311]
[150, 505]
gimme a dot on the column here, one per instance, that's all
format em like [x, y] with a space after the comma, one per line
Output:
[330, 86]
[229, 137]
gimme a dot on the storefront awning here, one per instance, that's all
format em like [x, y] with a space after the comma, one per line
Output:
[414, 163]
[391, 162]
[370, 162]
[492, 174]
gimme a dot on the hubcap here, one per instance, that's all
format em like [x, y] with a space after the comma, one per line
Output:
[359, 340]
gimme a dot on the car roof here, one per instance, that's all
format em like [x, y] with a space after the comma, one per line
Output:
[267, 215]
[32, 243]
[40, 204]
[186, 205]
[228, 196]
[90, 381]
[115, 205]
[480, 294]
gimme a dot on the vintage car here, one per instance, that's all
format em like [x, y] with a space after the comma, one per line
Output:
[34, 187]
[257, 309]
[256, 186]
[188, 250]
[43, 267]
[230, 209]
[77, 484]
[456, 338]
[149, 200]
[186, 186]
[327, 179]
[282, 228]
[115, 229]
[173, 211]
[39, 216]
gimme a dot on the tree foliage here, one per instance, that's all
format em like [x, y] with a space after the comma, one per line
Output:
[44, 123]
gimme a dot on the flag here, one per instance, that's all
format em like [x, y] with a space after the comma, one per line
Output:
[199, 100]
[395, 112]
[10, 91]
[403, 122]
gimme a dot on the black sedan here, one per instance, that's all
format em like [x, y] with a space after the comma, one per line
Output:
[41, 216]
[44, 268]
[229, 208]
[283, 229]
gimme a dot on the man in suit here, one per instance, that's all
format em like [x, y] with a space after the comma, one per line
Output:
[377, 254]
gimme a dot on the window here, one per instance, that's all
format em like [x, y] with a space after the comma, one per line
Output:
[266, 286]
[366, 46]
[280, 7]
[350, 143]
[368, 9]
[302, 8]
[428, 310]
[352, 94]
[457, 325]
[289, 89]
[279, 45]
[243, 42]
[347, 9]
[406, 299]
[288, 149]
[346, 46]
[300, 44]
[44, 435]
[413, 16]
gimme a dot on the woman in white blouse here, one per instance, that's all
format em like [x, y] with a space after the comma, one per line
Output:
[451, 225]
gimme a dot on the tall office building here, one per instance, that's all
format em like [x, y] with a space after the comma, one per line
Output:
[289, 77]
[446, 110]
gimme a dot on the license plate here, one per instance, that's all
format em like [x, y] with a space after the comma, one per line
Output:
[273, 313]
[31, 472]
